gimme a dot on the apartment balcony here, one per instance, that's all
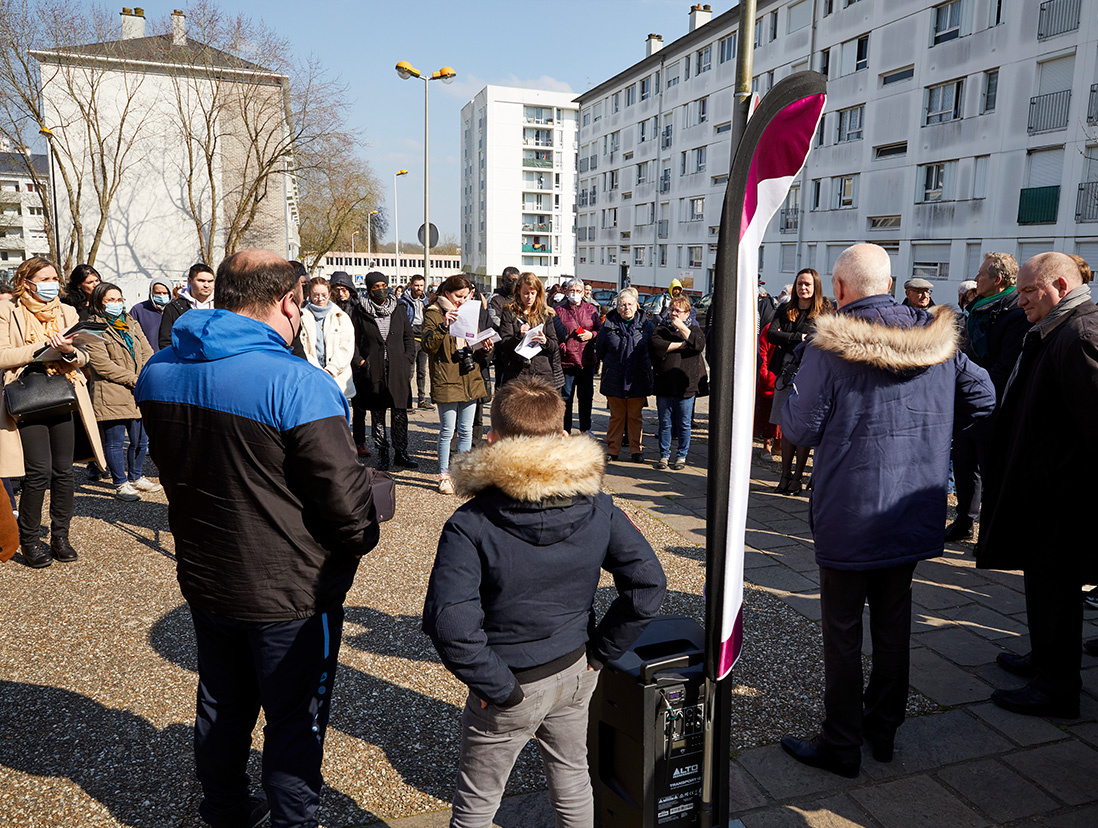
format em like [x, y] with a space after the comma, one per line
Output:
[529, 119]
[537, 248]
[1038, 205]
[538, 163]
[1049, 112]
[1086, 203]
[661, 228]
[788, 220]
[536, 187]
[537, 142]
[1058, 17]
[1092, 105]
[547, 227]
[11, 241]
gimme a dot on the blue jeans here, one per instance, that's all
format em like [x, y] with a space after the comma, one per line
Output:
[119, 455]
[682, 412]
[451, 415]
[578, 382]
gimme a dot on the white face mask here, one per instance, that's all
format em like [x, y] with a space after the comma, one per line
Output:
[575, 298]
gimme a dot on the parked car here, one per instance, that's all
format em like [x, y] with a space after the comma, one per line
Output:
[701, 309]
[604, 296]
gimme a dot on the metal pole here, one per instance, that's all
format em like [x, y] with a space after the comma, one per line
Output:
[367, 241]
[353, 242]
[426, 192]
[396, 225]
[745, 62]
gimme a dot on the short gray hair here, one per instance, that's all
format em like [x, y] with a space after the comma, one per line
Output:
[865, 269]
[1002, 266]
[574, 283]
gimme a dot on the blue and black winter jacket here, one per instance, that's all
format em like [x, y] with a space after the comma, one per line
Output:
[269, 507]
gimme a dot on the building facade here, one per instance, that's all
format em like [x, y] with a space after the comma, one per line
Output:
[518, 155]
[358, 264]
[951, 129]
[22, 217]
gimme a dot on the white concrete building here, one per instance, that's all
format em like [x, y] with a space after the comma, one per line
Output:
[358, 264]
[22, 218]
[951, 129]
[518, 155]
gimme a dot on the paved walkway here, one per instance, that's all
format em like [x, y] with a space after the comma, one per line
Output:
[971, 764]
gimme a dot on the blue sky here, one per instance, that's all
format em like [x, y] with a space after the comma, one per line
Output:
[486, 41]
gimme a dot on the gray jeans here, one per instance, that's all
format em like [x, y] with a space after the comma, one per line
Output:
[555, 712]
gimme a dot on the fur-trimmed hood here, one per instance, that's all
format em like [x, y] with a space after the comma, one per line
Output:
[532, 469]
[542, 490]
[889, 336]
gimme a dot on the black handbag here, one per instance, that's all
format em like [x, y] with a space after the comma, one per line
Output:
[35, 396]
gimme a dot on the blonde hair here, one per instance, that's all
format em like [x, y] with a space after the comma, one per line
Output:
[29, 268]
[540, 311]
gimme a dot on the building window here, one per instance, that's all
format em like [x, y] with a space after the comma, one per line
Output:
[758, 41]
[663, 255]
[701, 110]
[890, 150]
[979, 177]
[642, 131]
[820, 131]
[720, 129]
[817, 191]
[846, 192]
[907, 73]
[694, 254]
[630, 95]
[668, 132]
[672, 75]
[646, 88]
[944, 102]
[615, 102]
[699, 160]
[642, 173]
[587, 117]
[703, 60]
[800, 15]
[638, 256]
[728, 48]
[883, 222]
[947, 22]
[773, 33]
[695, 209]
[850, 124]
[861, 54]
[991, 91]
[930, 270]
[825, 62]
[932, 182]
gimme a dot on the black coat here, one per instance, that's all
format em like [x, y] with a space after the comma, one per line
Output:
[993, 334]
[1038, 484]
[172, 311]
[374, 391]
[677, 373]
[787, 334]
[610, 348]
[545, 364]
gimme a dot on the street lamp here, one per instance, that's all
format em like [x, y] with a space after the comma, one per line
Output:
[396, 219]
[355, 233]
[368, 237]
[53, 192]
[446, 74]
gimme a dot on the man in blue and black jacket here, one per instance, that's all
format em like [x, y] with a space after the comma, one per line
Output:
[271, 513]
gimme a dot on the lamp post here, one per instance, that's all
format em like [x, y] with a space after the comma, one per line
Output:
[446, 74]
[369, 238]
[355, 233]
[53, 193]
[396, 219]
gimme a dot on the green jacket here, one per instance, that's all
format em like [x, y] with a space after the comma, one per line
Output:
[448, 383]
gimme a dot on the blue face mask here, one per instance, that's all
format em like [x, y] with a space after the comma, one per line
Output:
[113, 308]
[161, 299]
[47, 291]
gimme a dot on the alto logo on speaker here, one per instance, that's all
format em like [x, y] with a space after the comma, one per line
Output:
[685, 771]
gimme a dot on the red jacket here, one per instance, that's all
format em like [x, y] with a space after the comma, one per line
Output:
[574, 352]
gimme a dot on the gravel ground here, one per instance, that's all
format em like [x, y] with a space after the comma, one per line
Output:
[98, 667]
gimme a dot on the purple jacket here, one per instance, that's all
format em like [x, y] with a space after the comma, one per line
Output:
[574, 352]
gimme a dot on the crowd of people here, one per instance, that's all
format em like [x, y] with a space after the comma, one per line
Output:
[275, 372]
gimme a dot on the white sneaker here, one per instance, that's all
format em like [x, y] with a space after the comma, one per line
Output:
[143, 484]
[127, 492]
[445, 485]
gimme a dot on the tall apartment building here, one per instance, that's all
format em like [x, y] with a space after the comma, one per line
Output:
[22, 218]
[518, 156]
[951, 128]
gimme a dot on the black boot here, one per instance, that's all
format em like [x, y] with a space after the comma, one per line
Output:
[62, 549]
[403, 461]
[382, 460]
[36, 554]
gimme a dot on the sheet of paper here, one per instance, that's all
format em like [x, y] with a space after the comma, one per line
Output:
[528, 349]
[81, 338]
[488, 335]
[468, 321]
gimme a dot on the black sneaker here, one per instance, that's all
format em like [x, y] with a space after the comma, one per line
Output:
[637, 457]
[403, 461]
[382, 462]
[260, 813]
[959, 530]
[36, 554]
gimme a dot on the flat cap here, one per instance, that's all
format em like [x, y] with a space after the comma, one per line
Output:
[918, 284]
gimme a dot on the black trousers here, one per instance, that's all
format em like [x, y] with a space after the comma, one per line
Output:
[968, 462]
[48, 448]
[358, 424]
[419, 367]
[1055, 615]
[876, 714]
[288, 668]
[400, 430]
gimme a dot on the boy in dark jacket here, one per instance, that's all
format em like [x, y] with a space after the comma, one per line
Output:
[676, 347]
[509, 604]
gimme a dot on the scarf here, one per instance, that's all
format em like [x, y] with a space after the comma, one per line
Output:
[41, 320]
[448, 306]
[319, 314]
[625, 328]
[383, 316]
[122, 328]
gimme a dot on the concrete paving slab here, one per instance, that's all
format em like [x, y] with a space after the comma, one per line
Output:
[986, 622]
[938, 596]
[782, 777]
[1067, 770]
[1087, 732]
[997, 791]
[743, 792]
[895, 804]
[1080, 818]
[1022, 730]
[806, 603]
[944, 682]
[928, 742]
[1000, 598]
[831, 812]
[960, 646]
[781, 579]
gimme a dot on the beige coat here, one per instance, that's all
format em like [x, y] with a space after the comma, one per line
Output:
[339, 345]
[114, 372]
[16, 353]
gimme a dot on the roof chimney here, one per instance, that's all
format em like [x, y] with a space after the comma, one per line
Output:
[700, 15]
[133, 23]
[179, 28]
[655, 43]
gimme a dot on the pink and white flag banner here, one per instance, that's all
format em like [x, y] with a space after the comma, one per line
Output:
[778, 157]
